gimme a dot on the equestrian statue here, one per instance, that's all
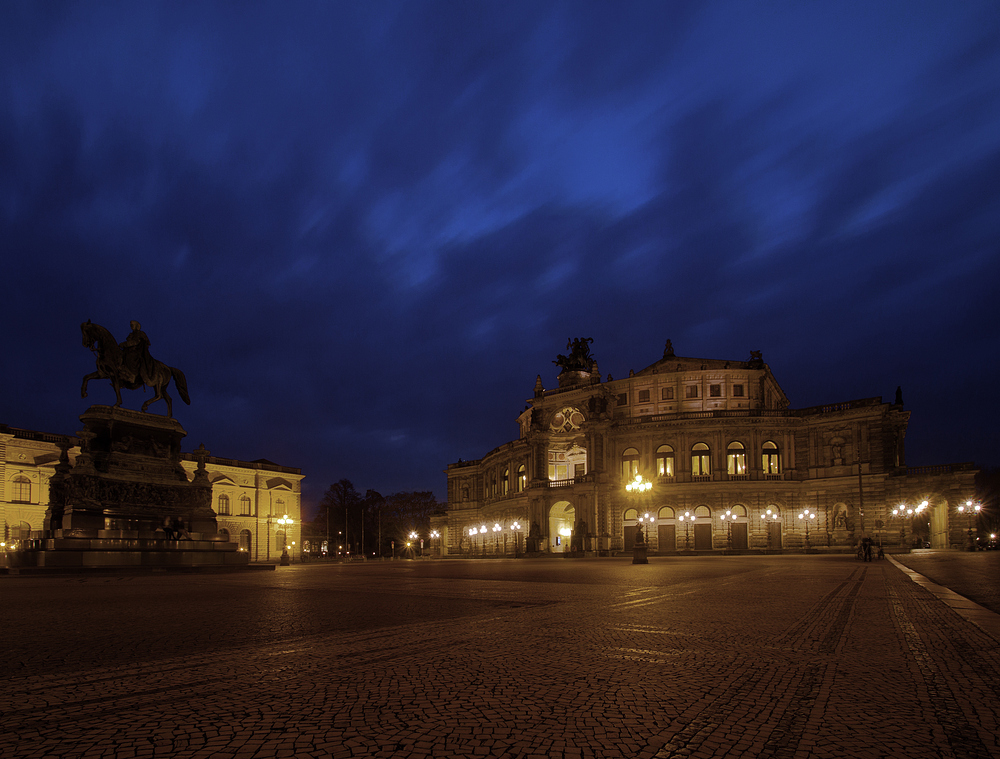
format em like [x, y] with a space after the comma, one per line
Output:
[129, 365]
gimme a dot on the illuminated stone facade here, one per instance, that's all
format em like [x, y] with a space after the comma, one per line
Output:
[247, 496]
[732, 467]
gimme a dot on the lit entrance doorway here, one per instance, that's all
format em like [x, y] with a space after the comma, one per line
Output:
[562, 518]
[666, 531]
[703, 529]
[629, 522]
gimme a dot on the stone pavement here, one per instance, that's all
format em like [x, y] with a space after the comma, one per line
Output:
[777, 656]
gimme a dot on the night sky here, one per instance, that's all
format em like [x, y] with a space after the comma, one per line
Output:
[362, 229]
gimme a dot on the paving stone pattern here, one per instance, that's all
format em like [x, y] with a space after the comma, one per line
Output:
[778, 657]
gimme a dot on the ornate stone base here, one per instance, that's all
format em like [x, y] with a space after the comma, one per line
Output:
[639, 554]
[126, 486]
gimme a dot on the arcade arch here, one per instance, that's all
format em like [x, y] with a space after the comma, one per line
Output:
[562, 519]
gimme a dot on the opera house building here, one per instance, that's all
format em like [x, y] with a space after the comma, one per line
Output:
[702, 455]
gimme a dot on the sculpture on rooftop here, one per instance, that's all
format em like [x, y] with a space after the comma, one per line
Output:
[579, 359]
[129, 365]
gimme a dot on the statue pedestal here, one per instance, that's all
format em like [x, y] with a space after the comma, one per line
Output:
[639, 553]
[109, 509]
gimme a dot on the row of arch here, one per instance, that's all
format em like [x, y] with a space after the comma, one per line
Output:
[701, 460]
[246, 506]
[493, 487]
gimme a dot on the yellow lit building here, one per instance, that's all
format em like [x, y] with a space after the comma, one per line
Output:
[732, 467]
[248, 496]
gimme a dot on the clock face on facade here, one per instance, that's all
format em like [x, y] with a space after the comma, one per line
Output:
[566, 420]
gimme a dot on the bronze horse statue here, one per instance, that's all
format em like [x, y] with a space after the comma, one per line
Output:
[112, 364]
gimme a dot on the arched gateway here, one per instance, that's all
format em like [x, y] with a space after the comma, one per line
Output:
[562, 519]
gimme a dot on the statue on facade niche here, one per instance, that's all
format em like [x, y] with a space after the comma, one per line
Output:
[129, 365]
[579, 359]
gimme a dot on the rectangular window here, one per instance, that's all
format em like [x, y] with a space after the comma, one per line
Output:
[715, 391]
[691, 391]
[737, 391]
[623, 399]
[666, 394]
[643, 396]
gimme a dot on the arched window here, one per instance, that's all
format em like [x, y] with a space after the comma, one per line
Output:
[665, 461]
[630, 464]
[246, 508]
[224, 505]
[522, 479]
[505, 482]
[224, 535]
[21, 491]
[770, 461]
[279, 507]
[736, 459]
[246, 540]
[701, 465]
[666, 512]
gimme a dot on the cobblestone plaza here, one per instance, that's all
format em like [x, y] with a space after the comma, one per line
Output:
[768, 656]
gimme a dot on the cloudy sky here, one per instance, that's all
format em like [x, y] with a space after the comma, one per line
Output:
[362, 229]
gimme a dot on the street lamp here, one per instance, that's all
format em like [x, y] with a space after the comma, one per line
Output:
[806, 515]
[770, 517]
[905, 513]
[636, 490]
[496, 537]
[727, 519]
[969, 508]
[687, 518]
[516, 529]
[286, 523]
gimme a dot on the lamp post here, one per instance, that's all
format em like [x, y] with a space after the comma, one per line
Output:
[727, 519]
[687, 518]
[435, 535]
[805, 516]
[286, 523]
[496, 537]
[969, 508]
[905, 513]
[636, 490]
[516, 529]
[769, 517]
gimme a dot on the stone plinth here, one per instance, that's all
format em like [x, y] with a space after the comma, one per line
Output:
[109, 509]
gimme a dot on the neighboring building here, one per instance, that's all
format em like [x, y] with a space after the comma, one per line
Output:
[731, 466]
[248, 496]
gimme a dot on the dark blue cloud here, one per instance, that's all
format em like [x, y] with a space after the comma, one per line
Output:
[363, 230]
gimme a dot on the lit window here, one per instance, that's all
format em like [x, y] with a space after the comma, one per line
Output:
[715, 391]
[643, 396]
[770, 461]
[691, 391]
[246, 508]
[665, 461]
[737, 391]
[630, 464]
[700, 460]
[522, 479]
[21, 490]
[224, 504]
[666, 394]
[505, 482]
[736, 458]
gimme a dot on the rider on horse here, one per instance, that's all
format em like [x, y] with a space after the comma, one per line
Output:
[137, 363]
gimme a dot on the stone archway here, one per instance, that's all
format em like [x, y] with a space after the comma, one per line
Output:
[562, 518]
